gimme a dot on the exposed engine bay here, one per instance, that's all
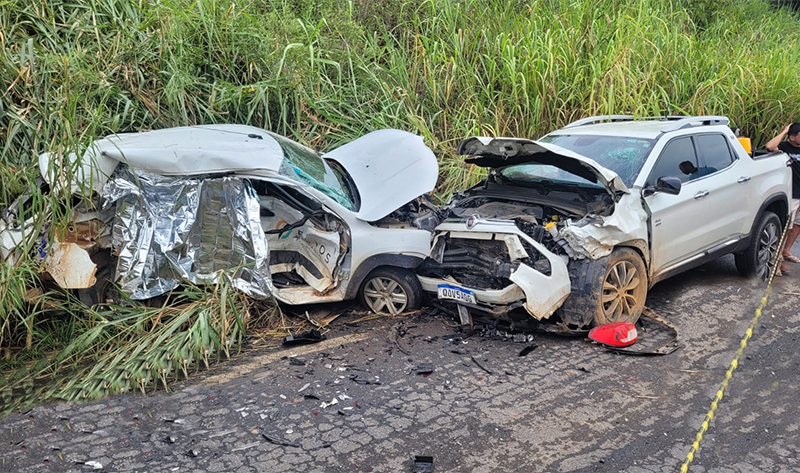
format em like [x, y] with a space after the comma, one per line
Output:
[539, 212]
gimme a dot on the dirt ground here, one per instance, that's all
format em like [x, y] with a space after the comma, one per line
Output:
[356, 403]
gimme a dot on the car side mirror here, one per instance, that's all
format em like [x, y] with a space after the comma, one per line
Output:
[668, 185]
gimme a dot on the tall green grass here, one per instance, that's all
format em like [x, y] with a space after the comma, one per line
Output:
[327, 71]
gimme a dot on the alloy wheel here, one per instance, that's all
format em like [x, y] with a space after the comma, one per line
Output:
[385, 296]
[619, 298]
[768, 241]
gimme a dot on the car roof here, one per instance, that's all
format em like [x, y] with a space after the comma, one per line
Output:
[194, 150]
[648, 129]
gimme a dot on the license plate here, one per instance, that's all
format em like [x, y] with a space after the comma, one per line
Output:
[456, 294]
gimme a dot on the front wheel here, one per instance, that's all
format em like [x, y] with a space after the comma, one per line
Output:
[389, 290]
[608, 289]
[758, 259]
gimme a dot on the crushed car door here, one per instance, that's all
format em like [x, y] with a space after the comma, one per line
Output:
[305, 240]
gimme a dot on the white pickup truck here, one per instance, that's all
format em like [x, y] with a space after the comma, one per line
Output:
[584, 221]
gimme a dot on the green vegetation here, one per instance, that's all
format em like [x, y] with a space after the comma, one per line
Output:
[327, 71]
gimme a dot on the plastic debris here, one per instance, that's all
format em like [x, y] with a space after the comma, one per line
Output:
[425, 368]
[297, 361]
[422, 464]
[358, 380]
[525, 351]
[95, 465]
[175, 421]
[481, 366]
[325, 405]
[304, 338]
[617, 334]
[280, 441]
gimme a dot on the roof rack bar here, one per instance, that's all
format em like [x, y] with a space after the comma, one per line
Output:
[687, 122]
[600, 118]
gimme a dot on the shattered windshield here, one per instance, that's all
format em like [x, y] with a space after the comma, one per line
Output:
[621, 154]
[303, 165]
[541, 173]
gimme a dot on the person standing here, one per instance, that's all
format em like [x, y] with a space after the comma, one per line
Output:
[790, 146]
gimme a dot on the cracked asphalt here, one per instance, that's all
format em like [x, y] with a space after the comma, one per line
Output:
[355, 403]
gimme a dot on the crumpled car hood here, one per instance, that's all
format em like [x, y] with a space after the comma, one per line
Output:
[502, 152]
[180, 151]
[390, 168]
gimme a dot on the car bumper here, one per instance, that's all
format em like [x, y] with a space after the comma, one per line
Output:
[540, 294]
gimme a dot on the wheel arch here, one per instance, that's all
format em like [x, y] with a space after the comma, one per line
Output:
[777, 203]
[374, 262]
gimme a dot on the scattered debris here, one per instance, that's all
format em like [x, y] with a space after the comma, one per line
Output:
[321, 321]
[363, 382]
[325, 405]
[481, 366]
[175, 421]
[305, 386]
[311, 397]
[422, 464]
[297, 361]
[662, 337]
[425, 368]
[525, 351]
[616, 334]
[399, 332]
[95, 465]
[304, 338]
[280, 441]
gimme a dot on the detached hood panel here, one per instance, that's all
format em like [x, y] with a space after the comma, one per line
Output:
[502, 152]
[390, 169]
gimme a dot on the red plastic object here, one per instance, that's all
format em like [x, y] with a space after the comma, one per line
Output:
[616, 334]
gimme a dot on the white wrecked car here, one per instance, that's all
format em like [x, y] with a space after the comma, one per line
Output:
[350, 223]
[583, 221]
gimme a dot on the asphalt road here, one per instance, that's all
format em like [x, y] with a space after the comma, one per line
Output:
[567, 406]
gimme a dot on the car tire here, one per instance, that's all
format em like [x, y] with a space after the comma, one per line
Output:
[390, 290]
[757, 259]
[608, 289]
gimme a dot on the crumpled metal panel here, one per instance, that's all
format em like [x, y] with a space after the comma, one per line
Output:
[594, 239]
[171, 229]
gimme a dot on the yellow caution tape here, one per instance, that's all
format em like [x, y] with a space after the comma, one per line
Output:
[735, 362]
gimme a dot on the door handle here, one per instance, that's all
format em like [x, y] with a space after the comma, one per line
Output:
[701, 194]
[743, 179]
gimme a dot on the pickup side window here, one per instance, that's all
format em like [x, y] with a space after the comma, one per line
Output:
[678, 159]
[715, 154]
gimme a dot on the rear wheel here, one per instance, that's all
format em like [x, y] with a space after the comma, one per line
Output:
[759, 257]
[389, 290]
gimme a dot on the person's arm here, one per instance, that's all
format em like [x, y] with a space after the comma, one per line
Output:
[772, 144]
